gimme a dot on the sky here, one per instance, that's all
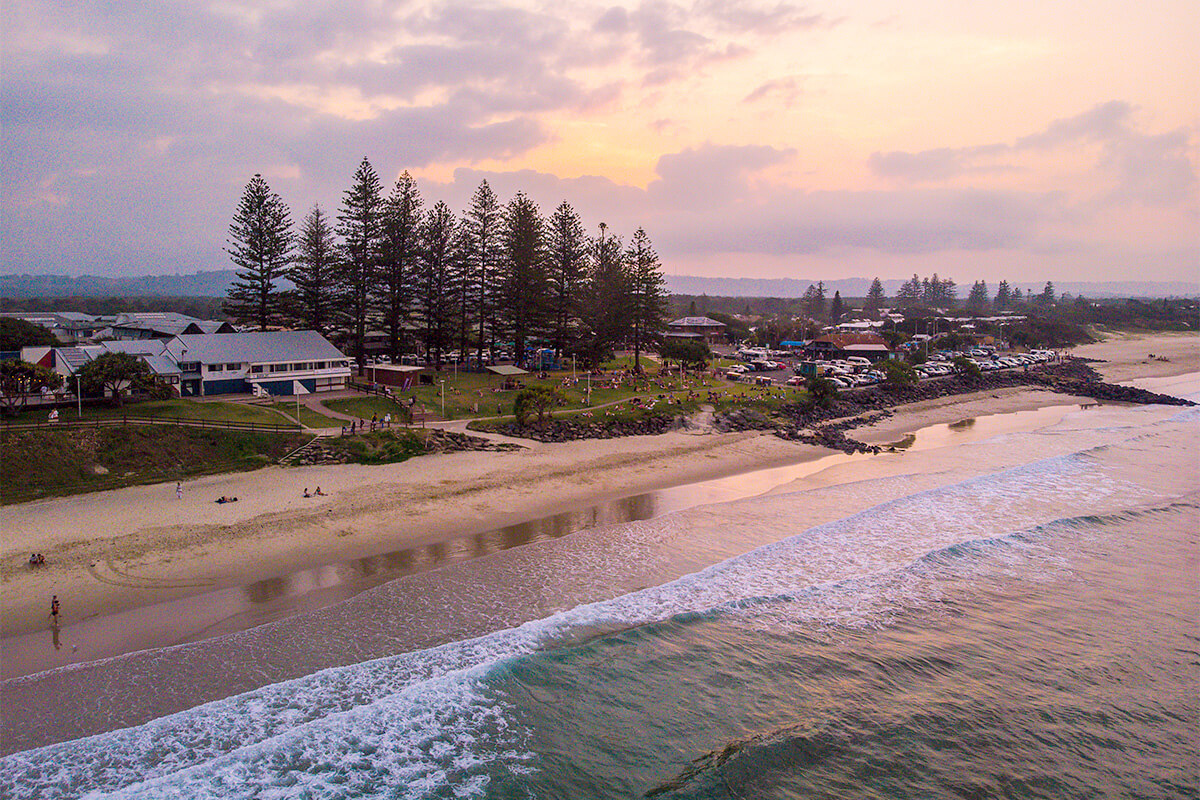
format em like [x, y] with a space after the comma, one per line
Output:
[1020, 140]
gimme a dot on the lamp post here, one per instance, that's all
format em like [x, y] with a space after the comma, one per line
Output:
[79, 394]
[443, 383]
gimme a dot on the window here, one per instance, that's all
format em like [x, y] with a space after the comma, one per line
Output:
[256, 369]
[319, 365]
[299, 367]
[280, 367]
[233, 366]
[189, 366]
[216, 367]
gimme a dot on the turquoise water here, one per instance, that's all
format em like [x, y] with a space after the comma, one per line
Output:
[1015, 617]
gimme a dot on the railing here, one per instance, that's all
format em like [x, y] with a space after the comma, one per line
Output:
[98, 422]
[376, 389]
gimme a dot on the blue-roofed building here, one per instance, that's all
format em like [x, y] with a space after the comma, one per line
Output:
[251, 362]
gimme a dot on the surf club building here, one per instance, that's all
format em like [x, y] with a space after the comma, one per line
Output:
[258, 362]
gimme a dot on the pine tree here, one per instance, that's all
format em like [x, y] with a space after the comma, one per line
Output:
[875, 297]
[947, 292]
[314, 273]
[978, 298]
[523, 285]
[260, 246]
[910, 293]
[437, 291]
[648, 293]
[482, 223]
[814, 300]
[836, 309]
[606, 312]
[1003, 296]
[568, 252]
[399, 259]
[1046, 298]
[360, 224]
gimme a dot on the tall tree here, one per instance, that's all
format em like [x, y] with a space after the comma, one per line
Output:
[836, 308]
[482, 224]
[1003, 296]
[314, 273]
[399, 259]
[606, 312]
[875, 297]
[1046, 298]
[360, 225]
[648, 295]
[522, 290]
[437, 292]
[977, 300]
[260, 246]
[910, 293]
[568, 251]
[814, 300]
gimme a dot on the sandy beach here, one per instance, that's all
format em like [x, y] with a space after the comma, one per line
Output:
[139, 546]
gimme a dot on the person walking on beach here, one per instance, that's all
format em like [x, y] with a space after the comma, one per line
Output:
[178, 490]
[54, 611]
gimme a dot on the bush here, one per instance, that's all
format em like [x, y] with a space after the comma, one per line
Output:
[898, 374]
[822, 392]
[967, 368]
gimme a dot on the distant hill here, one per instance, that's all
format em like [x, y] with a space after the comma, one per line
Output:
[214, 284]
[857, 287]
[200, 284]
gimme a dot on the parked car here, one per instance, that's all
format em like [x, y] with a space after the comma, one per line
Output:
[795, 380]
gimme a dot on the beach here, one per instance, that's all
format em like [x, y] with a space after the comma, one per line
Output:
[456, 550]
[141, 546]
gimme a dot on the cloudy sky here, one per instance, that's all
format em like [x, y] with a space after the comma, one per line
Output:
[1022, 139]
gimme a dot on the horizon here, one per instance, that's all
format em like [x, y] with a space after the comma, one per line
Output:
[762, 141]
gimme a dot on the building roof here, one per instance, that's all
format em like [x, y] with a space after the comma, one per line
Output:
[72, 357]
[138, 347]
[505, 369]
[866, 348]
[697, 322]
[161, 365]
[842, 340]
[260, 347]
[399, 369]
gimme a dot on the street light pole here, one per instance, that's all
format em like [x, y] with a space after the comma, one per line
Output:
[443, 383]
[79, 394]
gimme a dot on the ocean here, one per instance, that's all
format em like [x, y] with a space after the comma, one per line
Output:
[1012, 613]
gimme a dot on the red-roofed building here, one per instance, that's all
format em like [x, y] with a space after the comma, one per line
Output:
[840, 345]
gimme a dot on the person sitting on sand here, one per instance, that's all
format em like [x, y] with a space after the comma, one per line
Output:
[306, 494]
[319, 493]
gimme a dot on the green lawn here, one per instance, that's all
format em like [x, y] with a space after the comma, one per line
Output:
[362, 407]
[166, 409]
[49, 462]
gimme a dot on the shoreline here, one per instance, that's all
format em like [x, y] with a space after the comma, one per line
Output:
[137, 547]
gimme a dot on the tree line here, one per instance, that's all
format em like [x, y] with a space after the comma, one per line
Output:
[498, 276]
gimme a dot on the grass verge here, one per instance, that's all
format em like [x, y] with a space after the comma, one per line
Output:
[35, 464]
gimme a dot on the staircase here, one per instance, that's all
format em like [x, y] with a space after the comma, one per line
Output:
[291, 457]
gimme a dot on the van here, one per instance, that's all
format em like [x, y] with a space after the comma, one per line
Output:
[859, 361]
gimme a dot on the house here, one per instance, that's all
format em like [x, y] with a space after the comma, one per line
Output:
[275, 362]
[163, 325]
[68, 327]
[840, 345]
[701, 329]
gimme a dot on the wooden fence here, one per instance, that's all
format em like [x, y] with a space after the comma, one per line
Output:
[98, 422]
